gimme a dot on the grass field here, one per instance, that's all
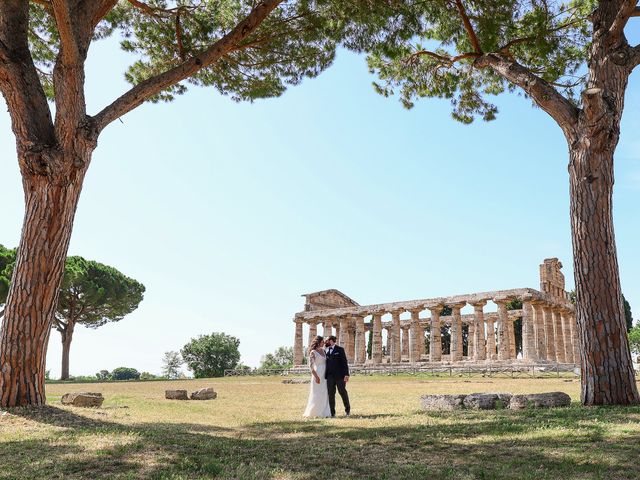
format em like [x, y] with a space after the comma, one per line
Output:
[254, 430]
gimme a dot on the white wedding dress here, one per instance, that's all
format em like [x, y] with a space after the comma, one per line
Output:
[318, 404]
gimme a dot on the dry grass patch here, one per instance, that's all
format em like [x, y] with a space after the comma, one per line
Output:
[254, 430]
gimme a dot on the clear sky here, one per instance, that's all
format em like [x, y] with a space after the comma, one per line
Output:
[228, 212]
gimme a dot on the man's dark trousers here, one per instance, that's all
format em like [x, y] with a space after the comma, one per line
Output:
[337, 369]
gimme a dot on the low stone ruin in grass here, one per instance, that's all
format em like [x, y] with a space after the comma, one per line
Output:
[494, 401]
[83, 399]
[202, 394]
[296, 381]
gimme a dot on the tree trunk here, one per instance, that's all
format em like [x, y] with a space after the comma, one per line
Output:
[606, 366]
[67, 337]
[51, 199]
[605, 360]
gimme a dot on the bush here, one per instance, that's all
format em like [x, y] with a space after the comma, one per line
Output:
[210, 355]
[125, 373]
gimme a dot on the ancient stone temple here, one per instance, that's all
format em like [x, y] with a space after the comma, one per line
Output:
[542, 321]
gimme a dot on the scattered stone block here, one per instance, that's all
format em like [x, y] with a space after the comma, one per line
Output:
[176, 395]
[487, 401]
[442, 402]
[296, 381]
[540, 400]
[204, 394]
[83, 399]
[494, 401]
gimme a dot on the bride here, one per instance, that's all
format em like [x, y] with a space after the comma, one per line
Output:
[318, 404]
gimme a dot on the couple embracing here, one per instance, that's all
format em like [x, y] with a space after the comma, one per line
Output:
[329, 371]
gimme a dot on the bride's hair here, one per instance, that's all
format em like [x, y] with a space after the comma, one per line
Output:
[316, 341]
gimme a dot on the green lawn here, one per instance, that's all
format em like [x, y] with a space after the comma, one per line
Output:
[254, 430]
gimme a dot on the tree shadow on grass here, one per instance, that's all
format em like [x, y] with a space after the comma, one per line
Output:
[572, 443]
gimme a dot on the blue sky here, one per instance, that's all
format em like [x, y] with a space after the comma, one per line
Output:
[228, 212]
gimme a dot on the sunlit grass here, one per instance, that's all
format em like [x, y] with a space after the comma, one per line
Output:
[254, 430]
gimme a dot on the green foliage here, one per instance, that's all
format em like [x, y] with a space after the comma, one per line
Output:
[171, 363]
[7, 260]
[628, 316]
[242, 367]
[297, 40]
[434, 57]
[103, 375]
[281, 358]
[125, 373]
[634, 339]
[93, 294]
[210, 355]
[514, 304]
[148, 376]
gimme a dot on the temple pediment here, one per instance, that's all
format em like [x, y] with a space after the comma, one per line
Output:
[327, 299]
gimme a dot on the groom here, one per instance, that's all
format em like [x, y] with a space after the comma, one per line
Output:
[337, 375]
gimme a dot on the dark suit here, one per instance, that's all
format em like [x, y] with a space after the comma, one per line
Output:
[337, 369]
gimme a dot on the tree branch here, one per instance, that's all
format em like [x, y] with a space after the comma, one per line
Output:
[547, 97]
[156, 84]
[30, 115]
[627, 9]
[4, 53]
[468, 27]
[444, 59]
[635, 56]
[68, 43]
[100, 10]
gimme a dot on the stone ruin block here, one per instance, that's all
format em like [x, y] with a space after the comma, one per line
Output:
[494, 401]
[83, 399]
[176, 395]
[540, 400]
[442, 402]
[204, 394]
[487, 401]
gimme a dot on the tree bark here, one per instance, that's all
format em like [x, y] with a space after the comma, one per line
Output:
[67, 337]
[50, 205]
[606, 366]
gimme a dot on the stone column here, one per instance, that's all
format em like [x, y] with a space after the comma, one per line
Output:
[576, 338]
[405, 340]
[414, 338]
[351, 342]
[491, 339]
[342, 332]
[513, 354]
[528, 333]
[337, 327]
[435, 342]
[298, 354]
[456, 332]
[479, 352]
[421, 342]
[550, 333]
[557, 328]
[376, 348]
[327, 328]
[471, 341]
[313, 331]
[504, 349]
[360, 342]
[396, 352]
[540, 334]
[566, 335]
